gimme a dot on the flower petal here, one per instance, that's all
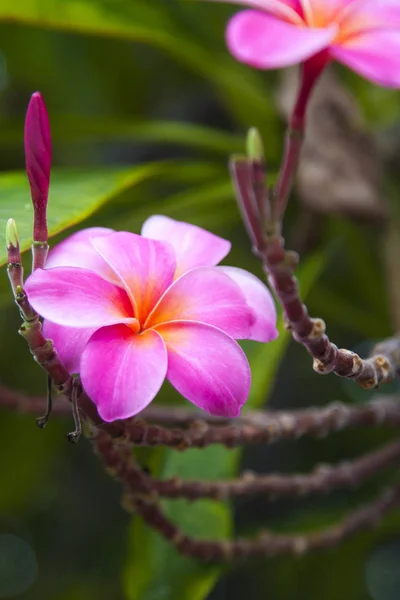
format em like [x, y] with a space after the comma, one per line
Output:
[373, 54]
[289, 10]
[144, 267]
[194, 247]
[78, 298]
[265, 42]
[363, 15]
[207, 367]
[319, 13]
[77, 251]
[121, 371]
[260, 299]
[69, 343]
[207, 295]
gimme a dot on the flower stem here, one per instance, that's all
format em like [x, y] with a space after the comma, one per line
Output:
[311, 70]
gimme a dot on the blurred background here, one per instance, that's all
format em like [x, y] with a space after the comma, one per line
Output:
[146, 105]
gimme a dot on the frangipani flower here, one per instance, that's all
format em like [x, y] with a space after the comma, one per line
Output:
[125, 311]
[362, 34]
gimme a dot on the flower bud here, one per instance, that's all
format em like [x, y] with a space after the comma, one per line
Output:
[12, 240]
[38, 159]
[254, 145]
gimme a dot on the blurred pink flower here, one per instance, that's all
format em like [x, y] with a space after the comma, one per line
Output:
[125, 311]
[362, 34]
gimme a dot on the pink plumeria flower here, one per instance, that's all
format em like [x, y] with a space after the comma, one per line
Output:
[125, 311]
[362, 34]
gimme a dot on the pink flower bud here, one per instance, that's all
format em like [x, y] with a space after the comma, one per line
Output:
[38, 159]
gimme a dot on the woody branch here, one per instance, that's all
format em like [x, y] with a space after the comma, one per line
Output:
[262, 210]
[141, 497]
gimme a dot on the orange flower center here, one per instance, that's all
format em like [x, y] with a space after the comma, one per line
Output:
[349, 21]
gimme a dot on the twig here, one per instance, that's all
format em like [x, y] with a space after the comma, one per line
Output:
[323, 480]
[267, 544]
[258, 427]
[120, 462]
[279, 266]
[201, 429]
[380, 368]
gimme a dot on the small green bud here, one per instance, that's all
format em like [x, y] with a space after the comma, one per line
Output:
[12, 234]
[254, 145]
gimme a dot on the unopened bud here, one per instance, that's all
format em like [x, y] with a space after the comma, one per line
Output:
[38, 160]
[12, 240]
[254, 145]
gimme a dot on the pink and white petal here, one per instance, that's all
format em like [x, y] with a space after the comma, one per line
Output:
[78, 298]
[323, 12]
[194, 246]
[364, 15]
[208, 295]
[77, 251]
[373, 54]
[122, 372]
[144, 267]
[207, 367]
[289, 10]
[69, 343]
[265, 42]
[260, 300]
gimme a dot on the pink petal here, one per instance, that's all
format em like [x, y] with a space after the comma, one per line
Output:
[373, 54]
[265, 42]
[78, 298]
[260, 300]
[364, 15]
[122, 372]
[323, 12]
[77, 251]
[205, 294]
[69, 343]
[194, 247]
[289, 10]
[207, 367]
[144, 267]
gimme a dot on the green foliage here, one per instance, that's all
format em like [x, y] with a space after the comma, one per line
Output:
[76, 194]
[170, 28]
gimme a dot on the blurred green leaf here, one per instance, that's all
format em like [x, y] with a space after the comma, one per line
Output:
[75, 194]
[155, 570]
[72, 128]
[23, 484]
[164, 25]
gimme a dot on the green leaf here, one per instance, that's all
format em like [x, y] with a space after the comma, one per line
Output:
[76, 194]
[72, 128]
[155, 570]
[22, 485]
[163, 25]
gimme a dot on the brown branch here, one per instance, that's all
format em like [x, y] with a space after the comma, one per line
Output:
[279, 266]
[267, 544]
[119, 460]
[21, 403]
[258, 427]
[200, 429]
[381, 367]
[323, 480]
